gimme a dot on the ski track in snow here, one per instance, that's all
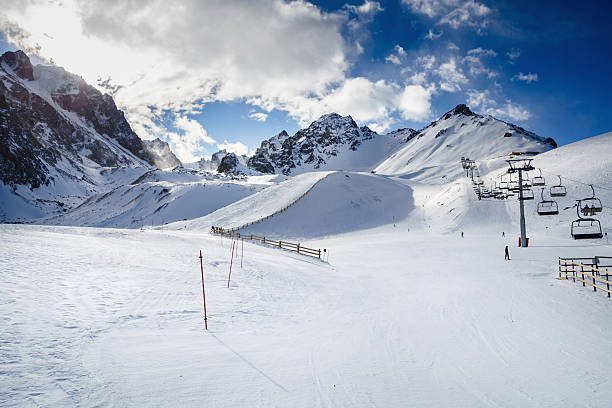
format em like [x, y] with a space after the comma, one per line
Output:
[114, 317]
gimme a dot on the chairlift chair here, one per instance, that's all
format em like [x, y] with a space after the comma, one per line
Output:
[558, 190]
[585, 228]
[591, 205]
[513, 185]
[539, 180]
[527, 194]
[526, 182]
[547, 207]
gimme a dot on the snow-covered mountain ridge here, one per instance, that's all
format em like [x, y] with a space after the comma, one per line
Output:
[334, 142]
[60, 136]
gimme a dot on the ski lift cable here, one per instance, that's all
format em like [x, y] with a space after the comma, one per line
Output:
[579, 182]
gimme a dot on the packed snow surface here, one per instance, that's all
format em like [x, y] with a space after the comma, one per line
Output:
[402, 310]
[396, 318]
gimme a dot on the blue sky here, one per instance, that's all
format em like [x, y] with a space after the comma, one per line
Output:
[228, 74]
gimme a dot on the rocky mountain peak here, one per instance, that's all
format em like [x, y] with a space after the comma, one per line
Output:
[19, 63]
[461, 109]
[161, 154]
[311, 147]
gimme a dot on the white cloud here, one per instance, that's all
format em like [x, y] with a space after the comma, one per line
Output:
[482, 52]
[176, 57]
[189, 142]
[480, 99]
[455, 13]
[193, 129]
[431, 35]
[483, 101]
[426, 61]
[415, 102]
[258, 116]
[513, 54]
[475, 64]
[396, 56]
[451, 76]
[511, 110]
[369, 102]
[237, 147]
[368, 8]
[452, 46]
[392, 58]
[529, 78]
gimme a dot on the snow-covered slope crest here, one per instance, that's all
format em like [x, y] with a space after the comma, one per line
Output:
[432, 153]
[58, 134]
[332, 142]
[342, 202]
[259, 205]
[161, 196]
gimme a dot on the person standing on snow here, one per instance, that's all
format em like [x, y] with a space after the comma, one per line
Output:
[507, 254]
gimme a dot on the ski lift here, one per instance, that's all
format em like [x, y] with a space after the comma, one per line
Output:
[547, 207]
[591, 205]
[539, 180]
[585, 228]
[527, 194]
[513, 185]
[526, 182]
[503, 184]
[558, 190]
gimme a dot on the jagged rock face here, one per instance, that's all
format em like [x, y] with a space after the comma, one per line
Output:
[161, 154]
[314, 145]
[406, 134]
[49, 116]
[228, 164]
[19, 62]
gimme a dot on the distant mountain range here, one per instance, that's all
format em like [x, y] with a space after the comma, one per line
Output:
[62, 141]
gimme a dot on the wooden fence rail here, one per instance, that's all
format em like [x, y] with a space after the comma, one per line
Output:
[588, 271]
[280, 244]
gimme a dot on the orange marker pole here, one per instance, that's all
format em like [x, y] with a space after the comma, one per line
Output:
[231, 261]
[203, 292]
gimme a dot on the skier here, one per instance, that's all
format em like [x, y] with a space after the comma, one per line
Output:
[507, 254]
[461, 234]
[503, 234]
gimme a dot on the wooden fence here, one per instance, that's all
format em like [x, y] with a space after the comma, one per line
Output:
[279, 244]
[282, 209]
[589, 271]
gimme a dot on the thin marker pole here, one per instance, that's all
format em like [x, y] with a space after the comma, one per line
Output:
[203, 292]
[231, 261]
[242, 254]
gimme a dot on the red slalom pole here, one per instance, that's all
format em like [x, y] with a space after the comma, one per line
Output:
[242, 256]
[231, 261]
[203, 293]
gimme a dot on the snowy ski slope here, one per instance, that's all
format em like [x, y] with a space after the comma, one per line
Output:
[257, 206]
[396, 318]
[402, 312]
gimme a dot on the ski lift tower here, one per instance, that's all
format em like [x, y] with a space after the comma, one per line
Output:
[519, 166]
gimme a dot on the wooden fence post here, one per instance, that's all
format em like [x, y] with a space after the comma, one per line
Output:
[582, 271]
[298, 249]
